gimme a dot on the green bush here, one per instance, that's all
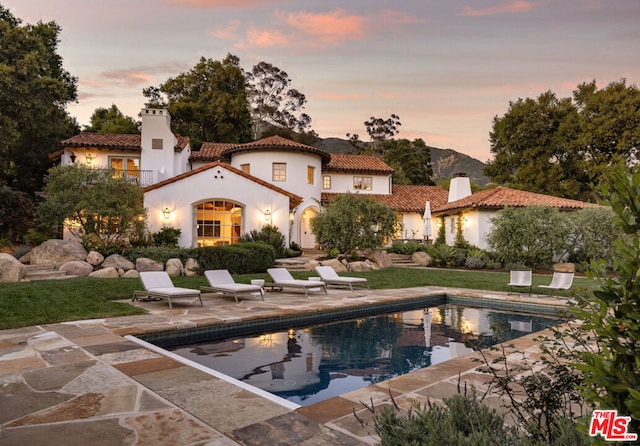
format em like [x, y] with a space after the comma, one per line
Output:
[166, 237]
[161, 253]
[406, 248]
[242, 258]
[462, 420]
[269, 235]
[443, 255]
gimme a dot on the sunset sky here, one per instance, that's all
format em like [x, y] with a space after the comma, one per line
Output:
[446, 67]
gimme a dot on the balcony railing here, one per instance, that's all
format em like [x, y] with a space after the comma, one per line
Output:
[142, 178]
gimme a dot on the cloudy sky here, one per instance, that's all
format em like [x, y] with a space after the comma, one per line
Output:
[446, 67]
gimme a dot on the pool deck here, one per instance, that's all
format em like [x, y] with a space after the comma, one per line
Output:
[89, 383]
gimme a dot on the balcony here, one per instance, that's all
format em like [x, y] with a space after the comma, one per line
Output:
[142, 178]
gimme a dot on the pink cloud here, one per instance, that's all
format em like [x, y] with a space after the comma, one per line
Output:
[266, 38]
[128, 78]
[514, 6]
[227, 33]
[396, 18]
[331, 28]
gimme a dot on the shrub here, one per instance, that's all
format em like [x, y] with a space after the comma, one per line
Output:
[269, 235]
[167, 237]
[406, 248]
[474, 263]
[242, 258]
[161, 253]
[106, 246]
[443, 254]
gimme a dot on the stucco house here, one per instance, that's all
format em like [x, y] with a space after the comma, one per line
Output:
[222, 191]
[476, 210]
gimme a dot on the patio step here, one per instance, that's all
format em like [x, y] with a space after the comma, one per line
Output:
[44, 272]
[403, 260]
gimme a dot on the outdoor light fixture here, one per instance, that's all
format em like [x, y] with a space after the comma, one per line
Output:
[166, 213]
[72, 157]
[267, 216]
[89, 159]
[292, 216]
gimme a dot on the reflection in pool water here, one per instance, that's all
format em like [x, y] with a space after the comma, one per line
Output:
[312, 364]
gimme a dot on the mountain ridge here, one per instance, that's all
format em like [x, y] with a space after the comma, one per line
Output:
[446, 163]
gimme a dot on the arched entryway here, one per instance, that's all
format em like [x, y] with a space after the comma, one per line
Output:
[307, 239]
[217, 222]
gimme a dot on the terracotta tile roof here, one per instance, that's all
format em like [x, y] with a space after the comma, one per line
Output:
[277, 143]
[114, 141]
[342, 162]
[295, 199]
[500, 197]
[210, 151]
[92, 140]
[405, 198]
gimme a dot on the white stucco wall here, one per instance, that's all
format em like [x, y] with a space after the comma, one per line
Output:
[475, 229]
[413, 226]
[343, 182]
[156, 124]
[215, 183]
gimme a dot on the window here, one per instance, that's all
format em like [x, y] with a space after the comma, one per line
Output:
[246, 168]
[126, 167]
[326, 182]
[362, 183]
[311, 173]
[279, 171]
[156, 144]
[218, 222]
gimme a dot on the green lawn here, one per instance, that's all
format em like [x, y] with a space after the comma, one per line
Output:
[45, 302]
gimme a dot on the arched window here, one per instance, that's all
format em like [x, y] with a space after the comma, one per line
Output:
[218, 222]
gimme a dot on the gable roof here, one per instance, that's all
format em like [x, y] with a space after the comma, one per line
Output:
[276, 143]
[342, 162]
[114, 141]
[501, 197]
[294, 199]
[404, 198]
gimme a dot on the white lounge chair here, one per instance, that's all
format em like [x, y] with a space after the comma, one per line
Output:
[221, 281]
[282, 278]
[158, 285]
[519, 278]
[330, 277]
[560, 281]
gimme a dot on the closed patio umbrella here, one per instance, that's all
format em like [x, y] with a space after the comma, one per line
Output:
[426, 230]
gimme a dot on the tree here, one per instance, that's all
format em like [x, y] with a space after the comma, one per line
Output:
[208, 103]
[352, 221]
[34, 90]
[535, 236]
[90, 202]
[382, 129]
[16, 214]
[111, 120]
[272, 102]
[562, 146]
[410, 160]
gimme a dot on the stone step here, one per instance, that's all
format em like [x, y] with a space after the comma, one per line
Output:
[44, 272]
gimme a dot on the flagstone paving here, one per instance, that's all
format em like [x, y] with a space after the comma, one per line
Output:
[85, 383]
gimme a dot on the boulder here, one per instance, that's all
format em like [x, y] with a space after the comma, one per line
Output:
[131, 274]
[380, 257]
[11, 270]
[564, 267]
[361, 266]
[56, 252]
[76, 268]
[174, 267]
[146, 264]
[421, 258]
[105, 273]
[336, 264]
[94, 258]
[118, 262]
[191, 268]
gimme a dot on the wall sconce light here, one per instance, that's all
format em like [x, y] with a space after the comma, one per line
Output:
[166, 213]
[292, 216]
[267, 216]
[89, 159]
[72, 157]
[465, 221]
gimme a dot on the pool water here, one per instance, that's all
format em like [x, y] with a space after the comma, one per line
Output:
[312, 364]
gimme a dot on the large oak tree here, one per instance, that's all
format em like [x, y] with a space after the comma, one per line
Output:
[561, 146]
[207, 103]
[34, 91]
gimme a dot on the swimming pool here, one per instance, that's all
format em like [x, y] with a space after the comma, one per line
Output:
[309, 363]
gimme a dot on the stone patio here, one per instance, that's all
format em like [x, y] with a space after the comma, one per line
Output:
[86, 383]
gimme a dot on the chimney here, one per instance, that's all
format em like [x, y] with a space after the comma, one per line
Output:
[459, 187]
